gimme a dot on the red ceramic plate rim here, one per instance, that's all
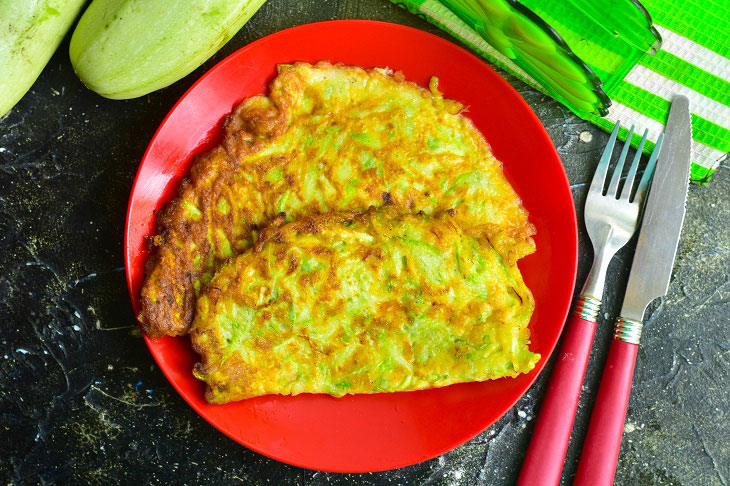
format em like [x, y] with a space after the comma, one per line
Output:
[568, 241]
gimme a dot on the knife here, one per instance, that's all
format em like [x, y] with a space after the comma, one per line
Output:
[649, 279]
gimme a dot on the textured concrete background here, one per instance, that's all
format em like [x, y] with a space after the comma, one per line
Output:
[81, 400]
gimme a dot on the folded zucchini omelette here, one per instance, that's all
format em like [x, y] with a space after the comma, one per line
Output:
[327, 138]
[378, 301]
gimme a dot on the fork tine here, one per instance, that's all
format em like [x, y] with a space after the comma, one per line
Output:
[650, 166]
[629, 182]
[613, 186]
[599, 177]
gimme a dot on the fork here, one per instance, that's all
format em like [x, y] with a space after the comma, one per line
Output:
[611, 218]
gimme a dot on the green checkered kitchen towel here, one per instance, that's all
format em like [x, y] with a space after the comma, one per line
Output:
[694, 60]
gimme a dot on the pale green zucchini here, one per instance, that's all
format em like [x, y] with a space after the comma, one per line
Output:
[30, 31]
[127, 48]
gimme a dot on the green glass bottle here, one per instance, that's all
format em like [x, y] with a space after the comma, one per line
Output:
[578, 50]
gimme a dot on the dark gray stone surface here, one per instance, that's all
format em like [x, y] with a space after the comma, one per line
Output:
[81, 400]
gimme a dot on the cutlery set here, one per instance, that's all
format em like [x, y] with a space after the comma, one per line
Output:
[611, 217]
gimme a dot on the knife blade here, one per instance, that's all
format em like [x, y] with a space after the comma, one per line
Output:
[656, 247]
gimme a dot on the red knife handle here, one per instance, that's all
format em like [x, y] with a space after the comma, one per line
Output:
[545, 457]
[597, 465]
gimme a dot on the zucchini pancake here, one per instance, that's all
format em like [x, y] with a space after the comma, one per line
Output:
[284, 309]
[369, 302]
[327, 138]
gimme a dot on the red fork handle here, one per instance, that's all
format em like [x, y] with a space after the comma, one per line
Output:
[597, 466]
[545, 457]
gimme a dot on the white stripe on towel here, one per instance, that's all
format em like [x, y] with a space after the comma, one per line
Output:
[657, 84]
[694, 53]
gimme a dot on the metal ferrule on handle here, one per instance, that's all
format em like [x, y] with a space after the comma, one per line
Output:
[628, 330]
[587, 307]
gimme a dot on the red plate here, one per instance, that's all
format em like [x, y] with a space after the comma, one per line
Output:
[381, 431]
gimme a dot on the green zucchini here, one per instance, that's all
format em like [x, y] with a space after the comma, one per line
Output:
[127, 48]
[30, 32]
